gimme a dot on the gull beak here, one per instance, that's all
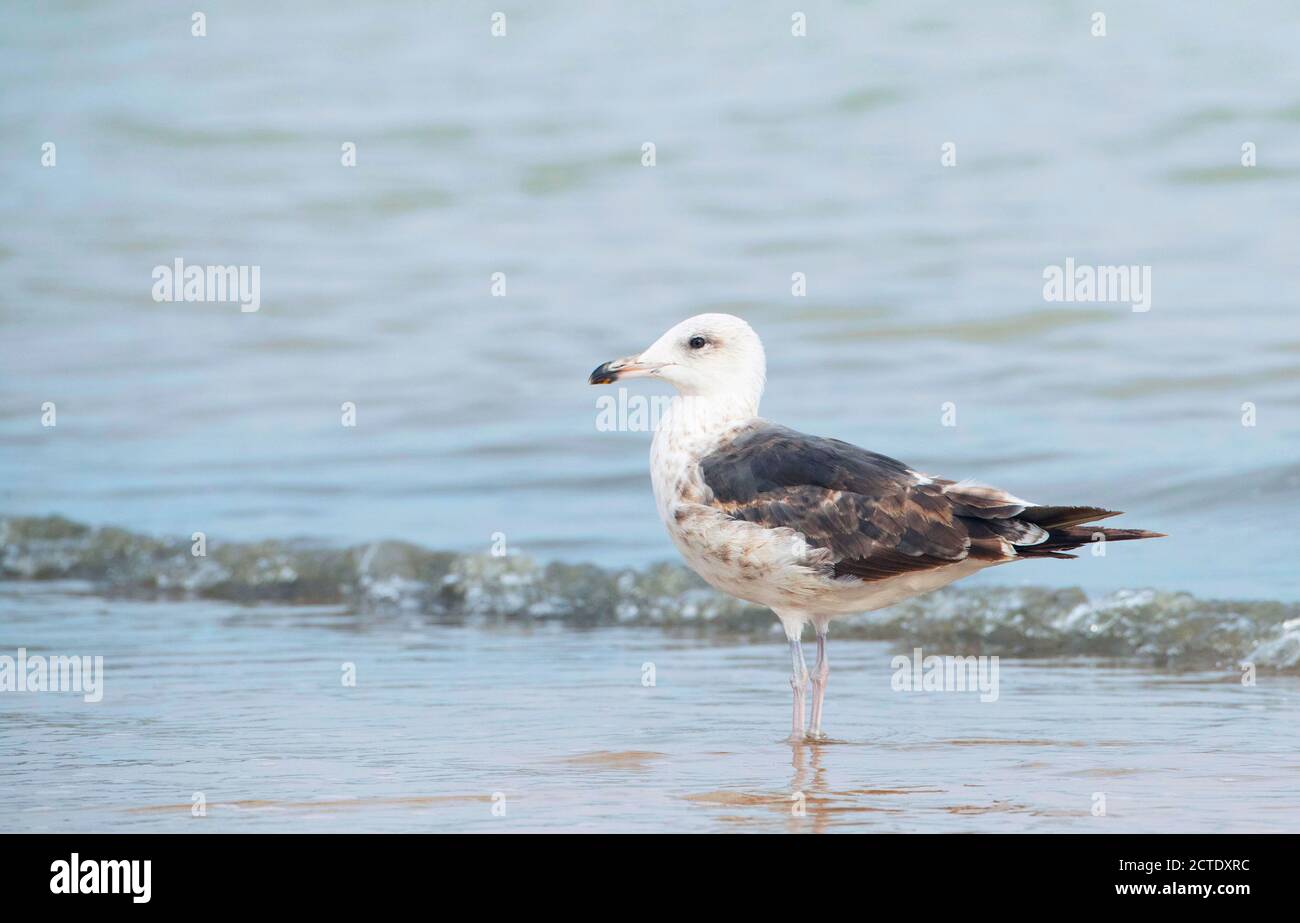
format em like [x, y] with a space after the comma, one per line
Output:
[627, 367]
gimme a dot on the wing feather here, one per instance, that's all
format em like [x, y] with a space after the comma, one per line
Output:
[875, 516]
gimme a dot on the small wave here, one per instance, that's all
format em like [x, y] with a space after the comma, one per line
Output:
[1167, 629]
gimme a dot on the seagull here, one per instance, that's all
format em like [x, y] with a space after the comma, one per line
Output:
[810, 527]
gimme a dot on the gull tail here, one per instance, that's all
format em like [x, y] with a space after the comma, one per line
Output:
[1069, 527]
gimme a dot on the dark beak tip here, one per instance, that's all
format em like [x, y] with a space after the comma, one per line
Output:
[602, 375]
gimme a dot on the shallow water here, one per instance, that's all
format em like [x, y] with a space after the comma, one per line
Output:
[246, 706]
[775, 155]
[522, 155]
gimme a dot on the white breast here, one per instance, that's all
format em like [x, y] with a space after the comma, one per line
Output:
[771, 567]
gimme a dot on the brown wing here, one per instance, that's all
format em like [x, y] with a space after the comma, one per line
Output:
[877, 517]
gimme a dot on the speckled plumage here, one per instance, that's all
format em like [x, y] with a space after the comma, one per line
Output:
[779, 543]
[815, 528]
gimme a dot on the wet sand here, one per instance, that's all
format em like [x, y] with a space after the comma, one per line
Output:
[467, 729]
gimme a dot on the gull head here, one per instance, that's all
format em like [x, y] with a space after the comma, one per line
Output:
[709, 355]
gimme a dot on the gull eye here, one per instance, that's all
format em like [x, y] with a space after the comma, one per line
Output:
[697, 342]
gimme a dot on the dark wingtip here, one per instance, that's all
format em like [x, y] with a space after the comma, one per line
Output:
[1122, 535]
[601, 375]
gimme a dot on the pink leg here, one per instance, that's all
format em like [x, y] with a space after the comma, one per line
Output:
[799, 683]
[819, 675]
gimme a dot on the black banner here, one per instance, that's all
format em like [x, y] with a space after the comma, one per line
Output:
[329, 872]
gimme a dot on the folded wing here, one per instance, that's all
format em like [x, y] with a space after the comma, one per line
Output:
[876, 517]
